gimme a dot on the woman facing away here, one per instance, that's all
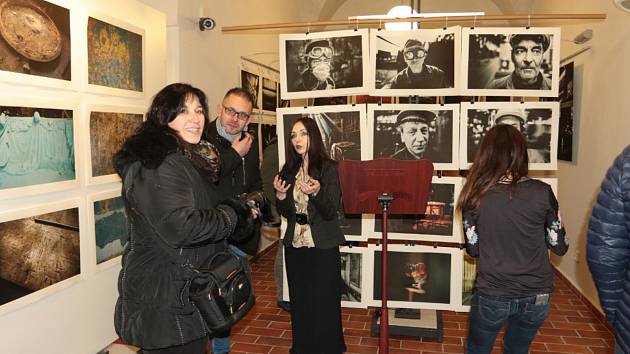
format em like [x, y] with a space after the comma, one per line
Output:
[168, 176]
[510, 222]
[308, 196]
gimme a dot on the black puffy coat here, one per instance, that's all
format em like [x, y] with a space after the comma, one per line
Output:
[608, 249]
[169, 204]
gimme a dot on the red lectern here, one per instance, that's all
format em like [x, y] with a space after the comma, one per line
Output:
[371, 187]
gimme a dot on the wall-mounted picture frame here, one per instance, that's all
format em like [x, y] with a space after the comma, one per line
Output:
[42, 56]
[109, 127]
[418, 277]
[107, 219]
[115, 57]
[40, 249]
[251, 83]
[423, 62]
[441, 222]
[355, 271]
[413, 132]
[510, 61]
[38, 146]
[269, 95]
[343, 134]
[324, 64]
[538, 121]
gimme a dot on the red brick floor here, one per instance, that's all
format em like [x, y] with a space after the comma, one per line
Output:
[571, 327]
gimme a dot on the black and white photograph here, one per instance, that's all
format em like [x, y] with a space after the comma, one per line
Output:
[251, 82]
[511, 61]
[353, 272]
[566, 125]
[419, 62]
[441, 222]
[418, 277]
[538, 121]
[268, 135]
[324, 64]
[414, 132]
[342, 132]
[269, 94]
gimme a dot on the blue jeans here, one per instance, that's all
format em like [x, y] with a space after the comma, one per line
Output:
[489, 313]
[221, 345]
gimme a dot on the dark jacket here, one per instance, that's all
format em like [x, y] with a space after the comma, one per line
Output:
[608, 248]
[238, 175]
[431, 77]
[169, 204]
[322, 209]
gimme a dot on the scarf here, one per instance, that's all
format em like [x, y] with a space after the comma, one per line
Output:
[205, 157]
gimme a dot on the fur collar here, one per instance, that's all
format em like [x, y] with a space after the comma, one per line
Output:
[150, 147]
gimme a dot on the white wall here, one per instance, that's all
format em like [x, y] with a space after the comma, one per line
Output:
[76, 316]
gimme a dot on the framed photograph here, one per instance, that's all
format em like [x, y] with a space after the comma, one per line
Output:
[343, 132]
[39, 252]
[269, 95]
[354, 272]
[35, 43]
[441, 222]
[109, 126]
[538, 121]
[268, 135]
[37, 146]
[251, 82]
[566, 125]
[418, 277]
[512, 61]
[413, 132]
[324, 64]
[422, 62]
[107, 221]
[115, 57]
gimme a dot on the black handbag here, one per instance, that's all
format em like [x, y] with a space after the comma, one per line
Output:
[223, 291]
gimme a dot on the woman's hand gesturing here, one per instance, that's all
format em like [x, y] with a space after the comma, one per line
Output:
[281, 187]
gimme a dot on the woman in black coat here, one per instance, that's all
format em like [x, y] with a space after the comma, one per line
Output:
[168, 176]
[308, 196]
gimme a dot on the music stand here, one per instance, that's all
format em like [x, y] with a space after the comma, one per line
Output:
[371, 187]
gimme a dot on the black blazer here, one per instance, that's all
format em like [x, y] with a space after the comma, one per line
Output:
[322, 209]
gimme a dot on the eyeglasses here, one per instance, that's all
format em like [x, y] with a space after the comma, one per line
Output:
[415, 52]
[232, 112]
[318, 52]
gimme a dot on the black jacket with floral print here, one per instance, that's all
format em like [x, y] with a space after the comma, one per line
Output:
[511, 233]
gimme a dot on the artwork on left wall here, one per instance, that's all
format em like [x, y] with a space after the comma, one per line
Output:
[38, 249]
[36, 146]
[110, 232]
[115, 56]
[35, 39]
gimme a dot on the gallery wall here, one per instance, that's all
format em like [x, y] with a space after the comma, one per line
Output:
[76, 315]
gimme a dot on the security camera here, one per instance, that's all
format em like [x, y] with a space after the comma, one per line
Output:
[206, 23]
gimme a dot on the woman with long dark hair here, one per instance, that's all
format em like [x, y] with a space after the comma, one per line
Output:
[308, 196]
[173, 208]
[510, 222]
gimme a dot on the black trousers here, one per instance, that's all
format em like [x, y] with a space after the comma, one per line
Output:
[314, 279]
[195, 347]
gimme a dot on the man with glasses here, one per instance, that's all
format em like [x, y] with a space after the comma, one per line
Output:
[527, 55]
[417, 74]
[318, 55]
[240, 166]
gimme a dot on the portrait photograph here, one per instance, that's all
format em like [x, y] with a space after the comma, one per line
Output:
[514, 61]
[109, 128]
[115, 56]
[418, 276]
[422, 62]
[35, 39]
[414, 132]
[37, 147]
[38, 249]
[342, 131]
[251, 83]
[110, 227]
[324, 64]
[441, 222]
[269, 94]
[538, 121]
[354, 271]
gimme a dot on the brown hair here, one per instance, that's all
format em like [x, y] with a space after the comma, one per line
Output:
[502, 153]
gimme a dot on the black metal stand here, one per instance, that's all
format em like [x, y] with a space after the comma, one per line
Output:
[383, 343]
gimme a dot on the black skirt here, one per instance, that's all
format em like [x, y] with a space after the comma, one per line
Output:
[314, 279]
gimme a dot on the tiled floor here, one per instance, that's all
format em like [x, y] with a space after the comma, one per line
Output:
[570, 328]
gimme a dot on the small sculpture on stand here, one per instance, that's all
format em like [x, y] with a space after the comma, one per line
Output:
[418, 273]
